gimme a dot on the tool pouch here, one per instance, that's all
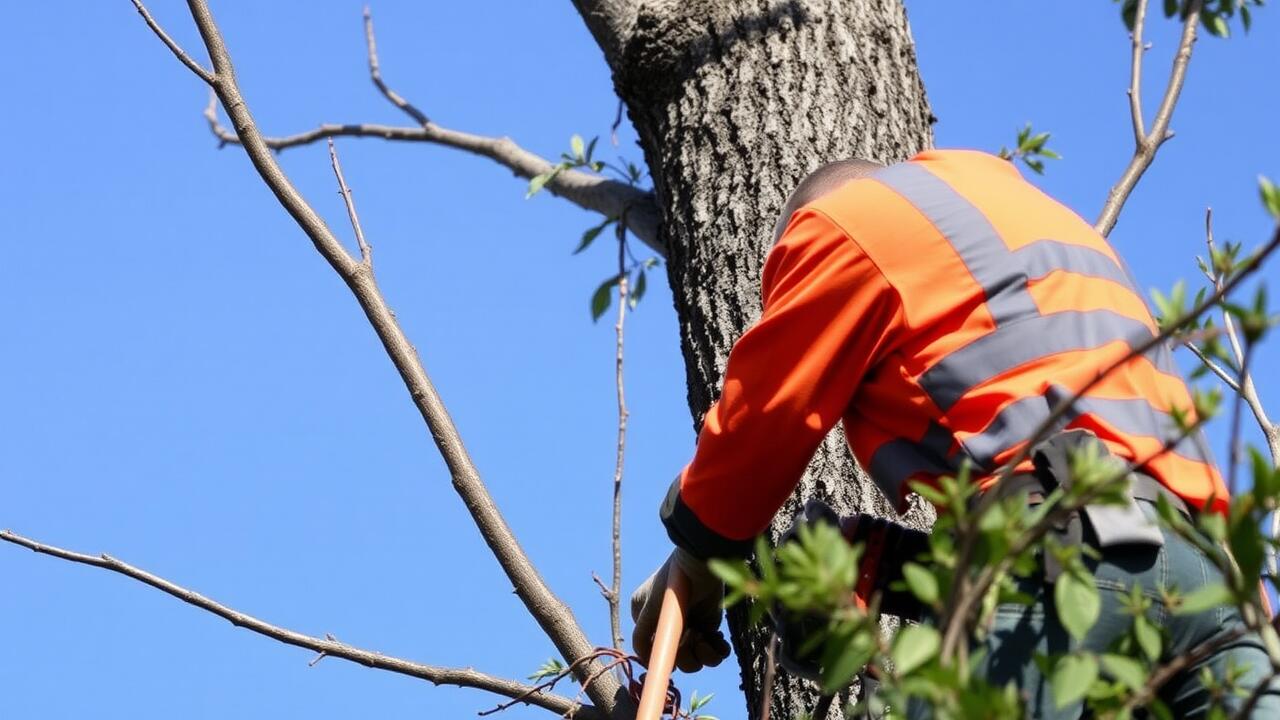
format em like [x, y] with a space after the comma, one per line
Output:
[1112, 525]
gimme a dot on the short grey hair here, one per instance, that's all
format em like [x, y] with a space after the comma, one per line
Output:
[820, 182]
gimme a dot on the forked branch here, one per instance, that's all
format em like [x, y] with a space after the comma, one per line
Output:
[326, 647]
[589, 191]
[552, 615]
[1147, 142]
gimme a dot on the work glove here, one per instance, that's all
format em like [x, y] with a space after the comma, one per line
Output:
[701, 644]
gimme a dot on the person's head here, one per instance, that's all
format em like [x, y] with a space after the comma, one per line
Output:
[820, 182]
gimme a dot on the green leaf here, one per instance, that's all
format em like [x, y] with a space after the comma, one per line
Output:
[1148, 638]
[733, 573]
[1036, 143]
[922, 582]
[1205, 598]
[579, 151]
[696, 703]
[591, 149]
[1126, 670]
[1270, 196]
[1170, 8]
[1077, 600]
[1129, 13]
[1072, 678]
[914, 646]
[591, 234]
[844, 654]
[1215, 24]
[550, 668]
[538, 182]
[602, 297]
[928, 492]
[1266, 479]
[637, 293]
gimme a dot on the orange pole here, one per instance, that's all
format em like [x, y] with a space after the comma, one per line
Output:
[666, 640]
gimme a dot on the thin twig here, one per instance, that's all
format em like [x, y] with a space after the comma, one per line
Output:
[1147, 143]
[327, 647]
[589, 191]
[1179, 663]
[770, 673]
[173, 46]
[1135, 74]
[375, 74]
[615, 592]
[1217, 369]
[1236, 450]
[617, 655]
[553, 616]
[366, 253]
[1245, 387]
[1263, 687]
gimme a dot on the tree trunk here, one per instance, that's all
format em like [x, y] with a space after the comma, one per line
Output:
[734, 102]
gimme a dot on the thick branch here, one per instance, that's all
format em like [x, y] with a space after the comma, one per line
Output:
[586, 190]
[552, 615]
[1147, 143]
[462, 677]
[610, 23]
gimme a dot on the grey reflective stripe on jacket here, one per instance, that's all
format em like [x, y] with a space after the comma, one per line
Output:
[1021, 335]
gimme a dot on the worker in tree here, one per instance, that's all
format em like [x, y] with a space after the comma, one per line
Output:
[941, 307]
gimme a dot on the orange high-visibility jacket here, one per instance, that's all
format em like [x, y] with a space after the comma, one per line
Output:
[941, 307]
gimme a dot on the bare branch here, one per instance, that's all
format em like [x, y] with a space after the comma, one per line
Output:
[326, 647]
[1135, 75]
[1179, 663]
[1246, 388]
[173, 46]
[1263, 687]
[366, 253]
[552, 615]
[589, 191]
[375, 74]
[615, 590]
[1217, 369]
[1147, 143]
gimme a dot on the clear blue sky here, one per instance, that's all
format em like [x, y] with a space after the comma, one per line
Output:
[185, 385]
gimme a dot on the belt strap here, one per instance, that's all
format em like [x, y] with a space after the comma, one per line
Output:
[1112, 525]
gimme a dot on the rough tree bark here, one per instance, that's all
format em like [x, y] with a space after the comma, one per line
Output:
[734, 101]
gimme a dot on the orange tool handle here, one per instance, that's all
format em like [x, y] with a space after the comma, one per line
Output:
[666, 640]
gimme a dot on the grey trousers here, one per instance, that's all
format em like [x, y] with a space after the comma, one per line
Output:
[1021, 632]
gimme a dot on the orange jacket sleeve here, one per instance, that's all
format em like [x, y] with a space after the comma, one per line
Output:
[828, 317]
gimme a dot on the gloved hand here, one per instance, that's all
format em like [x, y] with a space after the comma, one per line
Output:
[702, 644]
